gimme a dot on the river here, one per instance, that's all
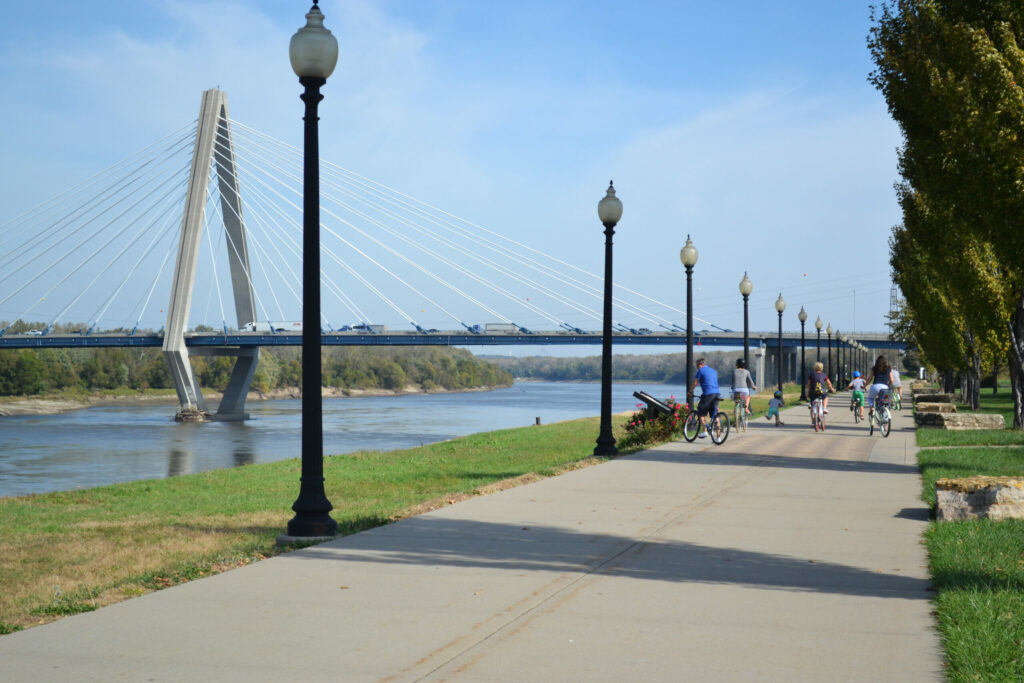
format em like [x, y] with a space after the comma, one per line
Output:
[106, 444]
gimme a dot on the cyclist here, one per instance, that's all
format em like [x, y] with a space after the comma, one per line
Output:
[774, 406]
[880, 380]
[857, 400]
[708, 379]
[742, 384]
[818, 385]
[897, 387]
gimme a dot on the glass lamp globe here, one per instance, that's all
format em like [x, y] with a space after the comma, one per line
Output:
[609, 209]
[688, 254]
[313, 50]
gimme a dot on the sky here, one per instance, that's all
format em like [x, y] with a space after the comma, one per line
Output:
[748, 125]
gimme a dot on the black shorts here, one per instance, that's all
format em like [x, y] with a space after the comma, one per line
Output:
[706, 401]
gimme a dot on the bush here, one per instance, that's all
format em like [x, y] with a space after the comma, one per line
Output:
[642, 429]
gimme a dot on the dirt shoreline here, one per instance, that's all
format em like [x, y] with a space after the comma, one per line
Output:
[53, 406]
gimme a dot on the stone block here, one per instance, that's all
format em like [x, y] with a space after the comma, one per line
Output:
[959, 421]
[935, 408]
[932, 397]
[996, 498]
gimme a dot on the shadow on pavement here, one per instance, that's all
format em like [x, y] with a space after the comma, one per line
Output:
[437, 541]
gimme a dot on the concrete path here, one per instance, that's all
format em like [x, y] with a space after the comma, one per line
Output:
[782, 555]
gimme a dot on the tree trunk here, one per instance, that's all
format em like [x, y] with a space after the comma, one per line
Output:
[970, 392]
[995, 376]
[1017, 363]
[948, 381]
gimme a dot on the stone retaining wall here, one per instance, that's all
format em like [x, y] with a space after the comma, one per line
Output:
[935, 408]
[959, 421]
[996, 498]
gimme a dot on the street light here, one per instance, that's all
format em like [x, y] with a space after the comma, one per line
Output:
[746, 287]
[688, 255]
[314, 53]
[828, 330]
[780, 306]
[802, 315]
[609, 210]
[840, 341]
[817, 325]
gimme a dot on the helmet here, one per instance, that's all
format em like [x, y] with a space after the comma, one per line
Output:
[740, 363]
[856, 373]
[778, 394]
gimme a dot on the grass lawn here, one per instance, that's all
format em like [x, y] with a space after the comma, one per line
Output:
[68, 552]
[977, 566]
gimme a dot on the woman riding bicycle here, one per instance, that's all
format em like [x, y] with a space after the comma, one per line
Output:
[742, 384]
[880, 380]
[818, 386]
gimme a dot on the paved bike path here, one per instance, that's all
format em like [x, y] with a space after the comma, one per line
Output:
[779, 555]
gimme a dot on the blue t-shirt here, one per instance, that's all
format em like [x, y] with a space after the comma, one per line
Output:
[708, 380]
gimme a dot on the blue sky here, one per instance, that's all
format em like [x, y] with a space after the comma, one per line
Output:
[748, 125]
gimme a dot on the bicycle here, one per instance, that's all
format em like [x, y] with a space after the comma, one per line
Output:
[818, 414]
[856, 404]
[717, 425]
[739, 412]
[897, 402]
[880, 415]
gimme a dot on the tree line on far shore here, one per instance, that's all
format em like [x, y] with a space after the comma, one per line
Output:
[667, 368]
[28, 372]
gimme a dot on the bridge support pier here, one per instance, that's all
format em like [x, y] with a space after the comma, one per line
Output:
[213, 150]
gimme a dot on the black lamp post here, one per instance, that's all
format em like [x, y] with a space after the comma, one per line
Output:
[828, 331]
[609, 210]
[314, 54]
[746, 287]
[780, 306]
[802, 315]
[688, 255]
[839, 358]
[817, 326]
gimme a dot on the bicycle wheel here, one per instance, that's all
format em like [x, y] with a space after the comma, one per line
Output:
[692, 426]
[720, 428]
[856, 413]
[886, 424]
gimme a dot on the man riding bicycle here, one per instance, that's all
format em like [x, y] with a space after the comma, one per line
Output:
[857, 400]
[818, 386]
[708, 379]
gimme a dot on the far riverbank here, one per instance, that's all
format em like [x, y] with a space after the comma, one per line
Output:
[51, 405]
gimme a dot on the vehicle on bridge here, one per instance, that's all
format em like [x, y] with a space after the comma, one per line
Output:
[260, 326]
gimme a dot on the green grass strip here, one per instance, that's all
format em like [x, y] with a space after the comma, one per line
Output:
[977, 566]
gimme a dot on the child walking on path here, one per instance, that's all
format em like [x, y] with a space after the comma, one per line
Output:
[773, 409]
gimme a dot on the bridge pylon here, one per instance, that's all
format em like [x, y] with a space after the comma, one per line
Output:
[213, 150]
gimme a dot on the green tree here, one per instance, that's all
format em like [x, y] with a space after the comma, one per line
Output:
[952, 74]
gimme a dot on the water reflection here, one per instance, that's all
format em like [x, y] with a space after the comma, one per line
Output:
[112, 443]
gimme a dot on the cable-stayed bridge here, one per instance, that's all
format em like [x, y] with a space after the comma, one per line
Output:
[194, 245]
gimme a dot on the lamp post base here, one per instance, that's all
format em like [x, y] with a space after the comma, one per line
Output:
[605, 447]
[285, 541]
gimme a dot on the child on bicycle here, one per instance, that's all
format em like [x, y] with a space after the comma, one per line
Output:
[773, 409]
[742, 384]
[818, 386]
[857, 400]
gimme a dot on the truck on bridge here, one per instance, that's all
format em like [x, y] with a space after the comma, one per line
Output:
[260, 326]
